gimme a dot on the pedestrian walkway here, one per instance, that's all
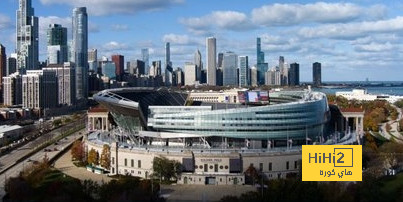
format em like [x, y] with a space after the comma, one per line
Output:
[65, 165]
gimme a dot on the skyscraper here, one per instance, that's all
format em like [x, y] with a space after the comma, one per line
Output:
[27, 36]
[168, 65]
[57, 44]
[253, 76]
[211, 60]
[293, 74]
[261, 65]
[3, 65]
[145, 58]
[220, 59]
[80, 50]
[190, 74]
[199, 65]
[243, 71]
[317, 74]
[11, 64]
[93, 60]
[230, 66]
[66, 82]
[119, 61]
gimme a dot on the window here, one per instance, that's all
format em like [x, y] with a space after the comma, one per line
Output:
[132, 162]
[295, 164]
[287, 165]
[270, 166]
[113, 160]
[139, 163]
[125, 162]
[261, 167]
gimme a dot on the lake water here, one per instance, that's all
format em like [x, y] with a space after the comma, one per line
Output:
[394, 90]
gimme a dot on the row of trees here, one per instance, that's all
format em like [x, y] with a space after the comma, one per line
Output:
[166, 169]
[93, 157]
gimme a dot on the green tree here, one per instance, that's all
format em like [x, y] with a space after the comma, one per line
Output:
[57, 123]
[93, 157]
[165, 169]
[105, 160]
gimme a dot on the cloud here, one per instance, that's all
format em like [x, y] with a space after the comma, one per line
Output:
[229, 20]
[120, 27]
[375, 47]
[176, 39]
[108, 7]
[115, 46]
[320, 12]
[5, 22]
[353, 30]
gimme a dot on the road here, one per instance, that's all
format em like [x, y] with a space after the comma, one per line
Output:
[394, 133]
[11, 158]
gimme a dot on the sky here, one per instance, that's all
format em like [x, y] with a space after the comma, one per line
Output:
[354, 40]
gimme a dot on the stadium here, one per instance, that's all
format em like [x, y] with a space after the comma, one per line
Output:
[216, 136]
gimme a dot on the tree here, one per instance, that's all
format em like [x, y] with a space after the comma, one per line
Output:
[252, 174]
[166, 169]
[78, 151]
[57, 123]
[105, 160]
[93, 157]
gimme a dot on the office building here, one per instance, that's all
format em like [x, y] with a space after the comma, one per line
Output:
[199, 65]
[12, 93]
[261, 65]
[65, 74]
[180, 77]
[108, 68]
[230, 66]
[27, 47]
[220, 59]
[168, 65]
[137, 67]
[283, 66]
[317, 74]
[243, 71]
[145, 59]
[254, 76]
[190, 74]
[119, 61]
[211, 61]
[293, 75]
[57, 44]
[80, 50]
[155, 69]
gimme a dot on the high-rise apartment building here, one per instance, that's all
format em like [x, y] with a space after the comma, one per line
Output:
[230, 66]
[220, 59]
[93, 60]
[254, 76]
[293, 74]
[12, 93]
[211, 61]
[11, 64]
[317, 74]
[80, 50]
[65, 74]
[57, 44]
[27, 37]
[180, 77]
[39, 89]
[119, 61]
[137, 67]
[243, 71]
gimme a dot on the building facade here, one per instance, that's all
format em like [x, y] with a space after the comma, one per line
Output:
[243, 71]
[199, 65]
[27, 39]
[317, 74]
[230, 66]
[190, 74]
[3, 66]
[261, 65]
[168, 65]
[80, 50]
[57, 44]
[93, 60]
[211, 61]
[145, 59]
[65, 74]
[12, 93]
[39, 89]
[293, 76]
[119, 61]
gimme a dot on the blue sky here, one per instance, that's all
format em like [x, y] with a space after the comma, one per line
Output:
[353, 40]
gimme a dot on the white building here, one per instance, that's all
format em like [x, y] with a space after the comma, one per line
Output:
[361, 94]
[190, 74]
[12, 89]
[211, 61]
[39, 89]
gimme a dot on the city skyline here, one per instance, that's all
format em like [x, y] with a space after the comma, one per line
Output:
[357, 41]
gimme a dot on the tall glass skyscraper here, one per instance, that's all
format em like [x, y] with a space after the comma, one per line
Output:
[230, 63]
[145, 58]
[199, 65]
[168, 65]
[211, 60]
[261, 65]
[317, 74]
[243, 71]
[57, 44]
[80, 50]
[27, 36]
